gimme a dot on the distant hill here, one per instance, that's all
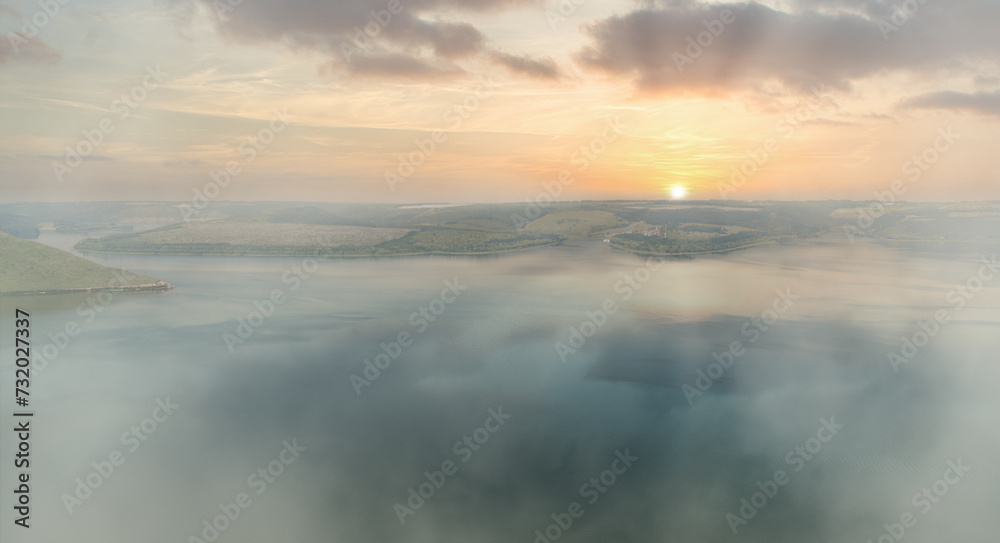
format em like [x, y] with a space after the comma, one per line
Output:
[240, 237]
[29, 267]
[17, 225]
[649, 227]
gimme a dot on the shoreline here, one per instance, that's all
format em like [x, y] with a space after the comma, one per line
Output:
[314, 255]
[159, 286]
[716, 251]
[432, 253]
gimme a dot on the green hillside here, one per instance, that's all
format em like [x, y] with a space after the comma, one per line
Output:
[575, 224]
[651, 227]
[31, 267]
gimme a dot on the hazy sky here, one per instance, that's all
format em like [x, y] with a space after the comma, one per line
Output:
[515, 86]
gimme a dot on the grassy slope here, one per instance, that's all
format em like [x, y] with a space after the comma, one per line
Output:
[575, 223]
[27, 266]
[265, 233]
[378, 230]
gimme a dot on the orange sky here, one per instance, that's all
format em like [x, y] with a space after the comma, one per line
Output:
[488, 100]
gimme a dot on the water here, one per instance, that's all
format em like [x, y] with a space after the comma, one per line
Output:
[630, 388]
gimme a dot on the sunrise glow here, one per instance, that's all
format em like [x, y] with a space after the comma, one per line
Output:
[491, 101]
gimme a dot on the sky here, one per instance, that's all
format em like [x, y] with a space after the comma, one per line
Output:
[418, 101]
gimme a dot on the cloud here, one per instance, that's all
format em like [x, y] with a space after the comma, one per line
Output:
[986, 103]
[833, 43]
[394, 66]
[986, 80]
[390, 38]
[541, 69]
[449, 40]
[63, 157]
[16, 46]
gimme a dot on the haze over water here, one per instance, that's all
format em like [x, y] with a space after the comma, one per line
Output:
[493, 347]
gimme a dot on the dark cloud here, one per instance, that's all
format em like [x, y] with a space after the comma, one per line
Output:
[448, 40]
[541, 69]
[369, 37]
[986, 80]
[830, 43]
[986, 103]
[395, 66]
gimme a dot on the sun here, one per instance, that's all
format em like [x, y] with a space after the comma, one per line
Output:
[677, 193]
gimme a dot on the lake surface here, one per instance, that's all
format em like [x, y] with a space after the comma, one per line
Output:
[506, 425]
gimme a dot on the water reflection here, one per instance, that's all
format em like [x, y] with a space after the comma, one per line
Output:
[494, 347]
